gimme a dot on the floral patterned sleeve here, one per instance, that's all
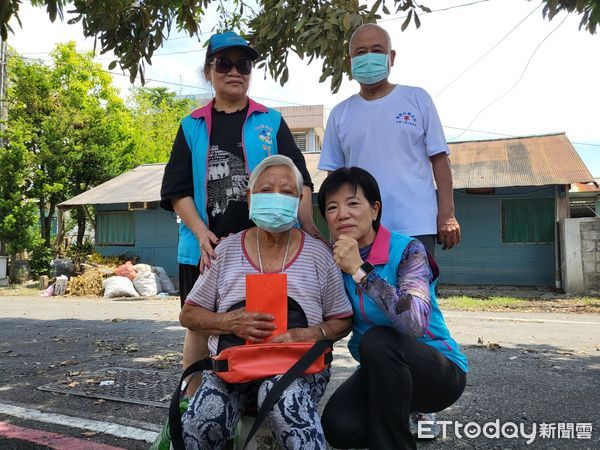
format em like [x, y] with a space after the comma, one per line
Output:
[408, 306]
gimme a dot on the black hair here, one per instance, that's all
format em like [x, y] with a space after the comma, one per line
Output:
[207, 62]
[355, 177]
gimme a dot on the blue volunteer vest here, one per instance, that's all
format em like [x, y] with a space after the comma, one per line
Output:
[259, 140]
[368, 314]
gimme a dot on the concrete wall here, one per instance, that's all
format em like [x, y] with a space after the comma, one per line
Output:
[590, 254]
[580, 247]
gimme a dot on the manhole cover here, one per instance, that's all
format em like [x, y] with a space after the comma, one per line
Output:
[143, 387]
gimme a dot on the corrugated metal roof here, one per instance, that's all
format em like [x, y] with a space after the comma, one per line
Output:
[141, 184]
[524, 161]
[584, 187]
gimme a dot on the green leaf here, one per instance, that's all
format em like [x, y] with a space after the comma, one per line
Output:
[346, 21]
[406, 21]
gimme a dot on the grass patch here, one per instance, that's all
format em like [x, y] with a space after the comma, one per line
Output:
[499, 303]
[593, 302]
[482, 304]
[18, 290]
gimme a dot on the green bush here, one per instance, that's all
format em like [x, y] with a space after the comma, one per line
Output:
[39, 263]
[80, 253]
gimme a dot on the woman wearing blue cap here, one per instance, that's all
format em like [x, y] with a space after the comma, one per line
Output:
[216, 148]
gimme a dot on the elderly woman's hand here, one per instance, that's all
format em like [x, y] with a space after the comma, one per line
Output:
[252, 326]
[309, 334]
[346, 254]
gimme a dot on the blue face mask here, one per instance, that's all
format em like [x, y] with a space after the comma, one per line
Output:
[274, 212]
[370, 68]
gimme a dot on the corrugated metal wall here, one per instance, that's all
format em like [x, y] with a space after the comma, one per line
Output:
[482, 258]
[156, 237]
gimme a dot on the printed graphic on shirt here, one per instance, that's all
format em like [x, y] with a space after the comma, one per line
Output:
[227, 180]
[265, 136]
[407, 118]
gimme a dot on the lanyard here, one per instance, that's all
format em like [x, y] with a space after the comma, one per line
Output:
[287, 247]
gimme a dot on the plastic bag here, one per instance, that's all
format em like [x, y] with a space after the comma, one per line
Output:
[118, 287]
[163, 440]
[140, 268]
[166, 285]
[62, 267]
[126, 270]
[147, 284]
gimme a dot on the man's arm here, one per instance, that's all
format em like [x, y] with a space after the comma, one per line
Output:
[305, 214]
[448, 227]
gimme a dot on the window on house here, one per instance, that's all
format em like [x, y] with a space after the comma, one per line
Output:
[300, 140]
[527, 220]
[115, 228]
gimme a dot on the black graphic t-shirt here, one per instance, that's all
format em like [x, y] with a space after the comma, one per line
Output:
[227, 207]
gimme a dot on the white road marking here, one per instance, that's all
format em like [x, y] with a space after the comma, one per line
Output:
[517, 319]
[113, 429]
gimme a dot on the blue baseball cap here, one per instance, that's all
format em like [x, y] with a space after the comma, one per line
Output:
[229, 39]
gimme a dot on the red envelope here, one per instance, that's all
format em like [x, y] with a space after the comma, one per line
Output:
[267, 293]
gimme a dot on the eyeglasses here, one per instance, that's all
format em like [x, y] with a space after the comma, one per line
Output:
[224, 65]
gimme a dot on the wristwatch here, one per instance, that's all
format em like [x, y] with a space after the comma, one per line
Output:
[363, 272]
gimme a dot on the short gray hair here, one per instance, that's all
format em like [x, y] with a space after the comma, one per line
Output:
[365, 26]
[275, 160]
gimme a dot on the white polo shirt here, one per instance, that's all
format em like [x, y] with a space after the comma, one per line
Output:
[391, 137]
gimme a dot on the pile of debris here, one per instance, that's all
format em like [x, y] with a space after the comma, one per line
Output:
[126, 280]
[141, 280]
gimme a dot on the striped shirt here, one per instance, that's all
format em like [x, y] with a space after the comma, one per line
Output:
[313, 280]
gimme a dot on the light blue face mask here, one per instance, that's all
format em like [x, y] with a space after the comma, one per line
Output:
[370, 68]
[274, 212]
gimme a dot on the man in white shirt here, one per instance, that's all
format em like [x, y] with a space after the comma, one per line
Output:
[395, 133]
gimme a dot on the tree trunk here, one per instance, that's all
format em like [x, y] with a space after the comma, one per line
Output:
[47, 224]
[42, 209]
[61, 233]
[11, 268]
[81, 223]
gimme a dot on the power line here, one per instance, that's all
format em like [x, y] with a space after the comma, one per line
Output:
[478, 131]
[511, 135]
[98, 58]
[302, 104]
[211, 32]
[487, 52]
[518, 80]
[436, 10]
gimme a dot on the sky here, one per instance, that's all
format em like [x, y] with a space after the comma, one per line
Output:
[494, 68]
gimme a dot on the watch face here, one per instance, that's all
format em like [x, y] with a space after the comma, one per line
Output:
[367, 267]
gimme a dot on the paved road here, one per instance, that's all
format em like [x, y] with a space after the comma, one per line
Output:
[526, 368]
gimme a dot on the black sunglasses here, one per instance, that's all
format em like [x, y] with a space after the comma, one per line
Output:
[224, 65]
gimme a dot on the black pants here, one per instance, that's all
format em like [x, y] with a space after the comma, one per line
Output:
[428, 241]
[398, 375]
[188, 274]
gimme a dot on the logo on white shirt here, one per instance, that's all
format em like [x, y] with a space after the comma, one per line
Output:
[407, 118]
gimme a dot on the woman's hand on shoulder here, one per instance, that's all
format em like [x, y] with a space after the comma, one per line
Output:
[206, 239]
[252, 326]
[346, 254]
[313, 231]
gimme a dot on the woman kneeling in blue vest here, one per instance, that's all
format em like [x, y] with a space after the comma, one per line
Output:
[408, 360]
